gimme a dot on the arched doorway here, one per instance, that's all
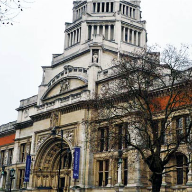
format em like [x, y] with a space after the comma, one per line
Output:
[53, 166]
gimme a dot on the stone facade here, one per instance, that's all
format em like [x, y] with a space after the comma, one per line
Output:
[100, 31]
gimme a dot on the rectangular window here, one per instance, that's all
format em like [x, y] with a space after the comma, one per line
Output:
[21, 178]
[104, 139]
[103, 7]
[98, 7]
[22, 152]
[112, 32]
[89, 32]
[107, 7]
[127, 12]
[182, 126]
[2, 157]
[134, 13]
[94, 7]
[125, 171]
[139, 39]
[120, 7]
[179, 159]
[10, 156]
[103, 172]
[112, 7]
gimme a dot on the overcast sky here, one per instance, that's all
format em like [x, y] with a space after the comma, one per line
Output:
[39, 32]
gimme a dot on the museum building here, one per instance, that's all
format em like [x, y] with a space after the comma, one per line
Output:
[49, 129]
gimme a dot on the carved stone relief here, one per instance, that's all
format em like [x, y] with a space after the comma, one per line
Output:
[65, 85]
[40, 141]
[26, 113]
[95, 57]
[55, 119]
[69, 135]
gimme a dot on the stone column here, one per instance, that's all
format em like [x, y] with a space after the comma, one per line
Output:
[137, 38]
[100, 7]
[109, 6]
[96, 4]
[79, 34]
[110, 173]
[123, 34]
[103, 30]
[92, 31]
[124, 10]
[66, 40]
[109, 32]
[1, 181]
[97, 29]
[114, 32]
[189, 182]
[69, 40]
[128, 35]
[132, 13]
[105, 7]
[133, 37]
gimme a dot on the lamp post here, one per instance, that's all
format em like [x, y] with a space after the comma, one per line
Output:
[12, 174]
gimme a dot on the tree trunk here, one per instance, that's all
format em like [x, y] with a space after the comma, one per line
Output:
[156, 181]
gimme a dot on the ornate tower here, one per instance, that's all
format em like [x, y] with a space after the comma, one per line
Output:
[100, 30]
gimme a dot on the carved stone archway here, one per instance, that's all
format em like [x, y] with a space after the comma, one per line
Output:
[45, 173]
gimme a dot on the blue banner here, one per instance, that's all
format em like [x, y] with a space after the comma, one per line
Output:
[28, 168]
[76, 163]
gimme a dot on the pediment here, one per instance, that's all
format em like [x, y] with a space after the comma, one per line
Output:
[64, 87]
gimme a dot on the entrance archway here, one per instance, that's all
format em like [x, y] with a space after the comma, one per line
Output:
[46, 168]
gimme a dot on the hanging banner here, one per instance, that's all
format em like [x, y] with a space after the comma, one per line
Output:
[28, 168]
[76, 163]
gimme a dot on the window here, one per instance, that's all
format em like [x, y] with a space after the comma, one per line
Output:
[103, 173]
[89, 32]
[123, 135]
[112, 7]
[2, 157]
[125, 171]
[21, 178]
[158, 126]
[182, 126]
[107, 7]
[104, 139]
[94, 7]
[103, 7]
[182, 169]
[10, 156]
[22, 152]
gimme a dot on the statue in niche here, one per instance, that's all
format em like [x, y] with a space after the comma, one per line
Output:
[64, 85]
[54, 120]
[95, 57]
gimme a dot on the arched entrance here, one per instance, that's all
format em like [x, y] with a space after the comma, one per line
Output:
[50, 159]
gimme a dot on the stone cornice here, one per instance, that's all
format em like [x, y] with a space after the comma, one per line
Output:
[70, 57]
[64, 109]
[23, 125]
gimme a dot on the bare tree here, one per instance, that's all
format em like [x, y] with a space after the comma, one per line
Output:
[9, 9]
[147, 92]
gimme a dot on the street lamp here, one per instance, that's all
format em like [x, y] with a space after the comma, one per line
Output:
[12, 174]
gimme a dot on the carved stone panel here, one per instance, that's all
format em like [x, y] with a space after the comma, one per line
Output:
[69, 135]
[65, 85]
[40, 141]
[55, 119]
